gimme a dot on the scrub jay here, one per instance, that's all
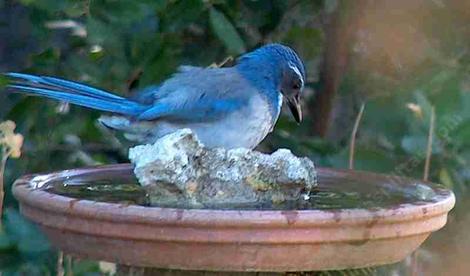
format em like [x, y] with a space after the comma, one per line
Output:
[227, 107]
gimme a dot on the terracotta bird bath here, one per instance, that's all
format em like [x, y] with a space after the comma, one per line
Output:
[325, 237]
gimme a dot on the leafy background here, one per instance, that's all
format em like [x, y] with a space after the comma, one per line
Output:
[399, 57]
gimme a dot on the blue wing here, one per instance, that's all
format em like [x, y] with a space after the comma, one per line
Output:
[197, 94]
[146, 95]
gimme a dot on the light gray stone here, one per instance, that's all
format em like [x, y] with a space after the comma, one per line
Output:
[178, 171]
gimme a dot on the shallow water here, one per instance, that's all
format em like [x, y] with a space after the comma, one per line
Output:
[101, 190]
[335, 191]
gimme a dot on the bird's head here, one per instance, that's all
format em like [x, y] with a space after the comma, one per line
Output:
[283, 65]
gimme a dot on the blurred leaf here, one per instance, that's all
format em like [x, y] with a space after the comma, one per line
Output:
[5, 242]
[29, 239]
[49, 5]
[297, 36]
[424, 103]
[177, 15]
[121, 12]
[445, 178]
[100, 33]
[3, 81]
[226, 32]
[461, 135]
[76, 8]
[418, 144]
[47, 58]
[22, 245]
[264, 15]
[368, 159]
[86, 267]
[331, 5]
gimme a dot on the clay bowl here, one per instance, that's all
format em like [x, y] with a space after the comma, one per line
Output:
[233, 240]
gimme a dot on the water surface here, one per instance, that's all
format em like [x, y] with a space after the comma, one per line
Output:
[336, 190]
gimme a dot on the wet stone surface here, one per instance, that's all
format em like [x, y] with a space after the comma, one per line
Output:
[178, 170]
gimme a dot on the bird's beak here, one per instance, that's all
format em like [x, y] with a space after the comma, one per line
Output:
[294, 106]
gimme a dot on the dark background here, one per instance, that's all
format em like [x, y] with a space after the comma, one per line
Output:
[386, 54]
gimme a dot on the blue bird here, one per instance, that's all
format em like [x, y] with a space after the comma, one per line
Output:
[228, 107]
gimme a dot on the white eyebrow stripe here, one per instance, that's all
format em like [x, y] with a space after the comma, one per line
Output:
[297, 71]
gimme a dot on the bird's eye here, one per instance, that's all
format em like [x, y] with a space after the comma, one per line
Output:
[296, 86]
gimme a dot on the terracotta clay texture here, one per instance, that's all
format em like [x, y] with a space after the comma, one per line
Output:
[231, 240]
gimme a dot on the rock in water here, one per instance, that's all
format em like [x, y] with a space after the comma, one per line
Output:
[178, 171]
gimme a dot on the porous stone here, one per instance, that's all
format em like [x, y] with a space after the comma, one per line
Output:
[178, 171]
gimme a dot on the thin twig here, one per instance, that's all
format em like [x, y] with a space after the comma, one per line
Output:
[352, 146]
[228, 59]
[3, 163]
[60, 264]
[427, 163]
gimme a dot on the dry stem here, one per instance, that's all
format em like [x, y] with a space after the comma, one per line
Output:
[60, 264]
[427, 165]
[2, 172]
[352, 145]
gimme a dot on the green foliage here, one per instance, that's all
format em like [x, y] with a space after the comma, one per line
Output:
[22, 246]
[226, 32]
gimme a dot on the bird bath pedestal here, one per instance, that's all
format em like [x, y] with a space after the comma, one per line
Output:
[237, 240]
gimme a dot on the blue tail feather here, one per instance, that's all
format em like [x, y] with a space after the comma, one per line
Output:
[63, 85]
[74, 93]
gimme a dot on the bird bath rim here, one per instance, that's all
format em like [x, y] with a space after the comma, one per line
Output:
[240, 240]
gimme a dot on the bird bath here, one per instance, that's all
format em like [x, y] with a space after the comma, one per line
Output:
[353, 219]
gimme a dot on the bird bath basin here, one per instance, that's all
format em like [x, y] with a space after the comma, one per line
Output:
[354, 219]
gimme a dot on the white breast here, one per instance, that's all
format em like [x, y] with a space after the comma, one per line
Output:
[245, 128]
